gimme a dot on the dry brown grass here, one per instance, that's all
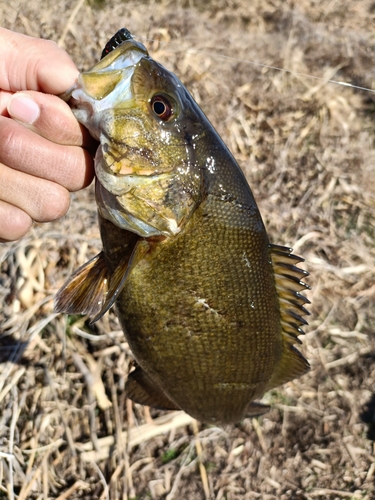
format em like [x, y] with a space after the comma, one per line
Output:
[307, 148]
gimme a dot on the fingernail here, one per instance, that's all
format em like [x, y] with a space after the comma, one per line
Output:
[23, 108]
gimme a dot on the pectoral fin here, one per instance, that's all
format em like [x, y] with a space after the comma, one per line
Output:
[92, 290]
[86, 289]
[120, 276]
[141, 389]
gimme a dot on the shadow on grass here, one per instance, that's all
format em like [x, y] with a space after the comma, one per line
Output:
[368, 417]
[11, 349]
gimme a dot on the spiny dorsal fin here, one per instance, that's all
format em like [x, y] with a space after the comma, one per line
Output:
[288, 279]
[289, 283]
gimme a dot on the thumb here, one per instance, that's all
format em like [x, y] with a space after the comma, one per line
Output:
[28, 63]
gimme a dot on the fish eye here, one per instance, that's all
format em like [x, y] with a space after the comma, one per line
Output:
[162, 107]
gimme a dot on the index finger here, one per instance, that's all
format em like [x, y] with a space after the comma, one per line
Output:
[28, 63]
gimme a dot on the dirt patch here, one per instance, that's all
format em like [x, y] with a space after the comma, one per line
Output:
[307, 149]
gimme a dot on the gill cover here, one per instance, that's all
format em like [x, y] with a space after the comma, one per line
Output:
[148, 180]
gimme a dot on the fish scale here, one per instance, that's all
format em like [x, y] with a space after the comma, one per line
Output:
[210, 308]
[229, 341]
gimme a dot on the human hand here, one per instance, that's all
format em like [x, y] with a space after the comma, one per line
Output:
[44, 152]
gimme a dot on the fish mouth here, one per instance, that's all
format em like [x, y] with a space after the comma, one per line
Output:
[105, 86]
[137, 188]
[93, 99]
[112, 192]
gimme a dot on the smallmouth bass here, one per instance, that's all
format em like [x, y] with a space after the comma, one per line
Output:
[210, 308]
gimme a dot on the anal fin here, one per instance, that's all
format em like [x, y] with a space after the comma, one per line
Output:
[255, 409]
[141, 389]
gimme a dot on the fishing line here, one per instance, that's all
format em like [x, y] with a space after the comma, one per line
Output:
[261, 65]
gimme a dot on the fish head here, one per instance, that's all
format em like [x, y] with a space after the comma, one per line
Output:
[149, 179]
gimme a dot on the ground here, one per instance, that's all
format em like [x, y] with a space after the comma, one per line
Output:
[307, 149]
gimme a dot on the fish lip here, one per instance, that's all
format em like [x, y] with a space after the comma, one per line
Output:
[109, 187]
[89, 109]
[115, 184]
[112, 61]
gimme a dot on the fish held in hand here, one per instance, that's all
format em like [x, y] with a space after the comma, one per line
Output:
[210, 308]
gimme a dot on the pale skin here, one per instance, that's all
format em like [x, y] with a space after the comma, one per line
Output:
[44, 153]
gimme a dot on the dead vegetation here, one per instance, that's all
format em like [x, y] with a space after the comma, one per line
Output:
[307, 148]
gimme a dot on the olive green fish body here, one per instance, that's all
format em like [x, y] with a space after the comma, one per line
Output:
[197, 307]
[210, 309]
